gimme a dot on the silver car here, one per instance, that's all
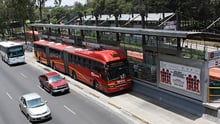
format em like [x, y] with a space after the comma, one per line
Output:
[34, 107]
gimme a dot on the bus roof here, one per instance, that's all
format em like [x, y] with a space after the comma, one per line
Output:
[59, 46]
[214, 73]
[102, 56]
[10, 44]
[43, 42]
[31, 32]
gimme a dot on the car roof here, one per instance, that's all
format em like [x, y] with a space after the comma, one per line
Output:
[31, 96]
[51, 74]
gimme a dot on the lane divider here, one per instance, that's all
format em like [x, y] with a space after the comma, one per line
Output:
[78, 86]
[116, 106]
[93, 94]
[70, 110]
[9, 95]
[23, 75]
[139, 118]
[133, 115]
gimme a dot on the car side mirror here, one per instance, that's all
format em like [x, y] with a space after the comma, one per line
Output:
[45, 101]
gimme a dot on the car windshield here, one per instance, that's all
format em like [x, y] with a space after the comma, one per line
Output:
[35, 103]
[55, 79]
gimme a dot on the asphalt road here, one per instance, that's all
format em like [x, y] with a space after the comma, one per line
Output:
[66, 109]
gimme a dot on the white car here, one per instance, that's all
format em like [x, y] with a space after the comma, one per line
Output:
[34, 107]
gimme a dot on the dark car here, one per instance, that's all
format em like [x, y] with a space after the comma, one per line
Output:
[53, 83]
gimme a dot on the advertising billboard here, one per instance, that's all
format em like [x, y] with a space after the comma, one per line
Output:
[180, 76]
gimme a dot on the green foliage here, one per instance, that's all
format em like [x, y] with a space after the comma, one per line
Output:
[19, 10]
[40, 4]
[78, 9]
[53, 20]
[59, 12]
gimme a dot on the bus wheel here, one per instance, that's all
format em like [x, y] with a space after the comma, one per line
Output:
[74, 75]
[39, 59]
[53, 66]
[96, 85]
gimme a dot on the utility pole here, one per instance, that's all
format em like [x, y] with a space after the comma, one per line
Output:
[178, 22]
[178, 19]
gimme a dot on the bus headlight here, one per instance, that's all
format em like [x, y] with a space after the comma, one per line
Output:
[111, 85]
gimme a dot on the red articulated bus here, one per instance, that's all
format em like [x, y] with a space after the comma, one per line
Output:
[41, 51]
[105, 70]
[29, 35]
[57, 57]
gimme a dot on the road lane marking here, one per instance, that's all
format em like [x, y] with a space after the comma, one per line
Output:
[40, 88]
[69, 110]
[23, 75]
[8, 95]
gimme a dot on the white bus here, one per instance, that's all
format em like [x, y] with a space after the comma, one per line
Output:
[12, 52]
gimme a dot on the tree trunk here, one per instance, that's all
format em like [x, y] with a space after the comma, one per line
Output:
[97, 32]
[24, 30]
[117, 34]
[40, 9]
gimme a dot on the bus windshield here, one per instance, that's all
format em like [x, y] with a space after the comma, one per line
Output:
[15, 52]
[118, 71]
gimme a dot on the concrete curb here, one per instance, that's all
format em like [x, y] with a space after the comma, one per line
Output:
[131, 114]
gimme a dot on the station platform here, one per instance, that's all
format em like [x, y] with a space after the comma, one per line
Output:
[143, 109]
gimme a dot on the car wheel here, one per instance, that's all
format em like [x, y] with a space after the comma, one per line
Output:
[96, 85]
[67, 91]
[20, 108]
[74, 75]
[51, 92]
[28, 118]
[41, 85]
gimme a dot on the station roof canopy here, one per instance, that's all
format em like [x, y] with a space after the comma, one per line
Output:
[152, 32]
[127, 17]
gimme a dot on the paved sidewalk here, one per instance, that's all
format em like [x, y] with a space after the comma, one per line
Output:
[150, 113]
[146, 111]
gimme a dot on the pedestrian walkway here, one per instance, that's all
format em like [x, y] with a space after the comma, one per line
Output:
[149, 112]
[146, 110]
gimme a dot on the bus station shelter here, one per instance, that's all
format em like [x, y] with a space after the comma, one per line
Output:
[169, 66]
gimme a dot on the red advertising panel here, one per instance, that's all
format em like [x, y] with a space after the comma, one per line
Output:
[180, 76]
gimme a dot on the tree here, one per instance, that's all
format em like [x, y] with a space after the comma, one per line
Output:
[23, 10]
[40, 4]
[3, 17]
[58, 13]
[78, 10]
[19, 11]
